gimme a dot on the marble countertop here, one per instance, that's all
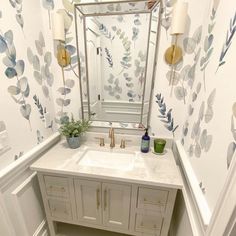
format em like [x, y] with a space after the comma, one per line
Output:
[148, 169]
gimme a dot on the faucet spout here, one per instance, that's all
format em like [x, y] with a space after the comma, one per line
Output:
[112, 137]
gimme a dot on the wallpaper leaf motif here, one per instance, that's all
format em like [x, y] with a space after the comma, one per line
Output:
[232, 146]
[135, 29]
[41, 64]
[229, 38]
[195, 95]
[63, 101]
[166, 12]
[126, 59]
[130, 84]
[182, 78]
[114, 89]
[208, 46]
[42, 110]
[109, 57]
[40, 137]
[202, 141]
[18, 6]
[15, 69]
[103, 30]
[49, 6]
[166, 117]
[140, 66]
[210, 102]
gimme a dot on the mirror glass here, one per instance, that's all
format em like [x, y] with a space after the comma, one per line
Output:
[117, 45]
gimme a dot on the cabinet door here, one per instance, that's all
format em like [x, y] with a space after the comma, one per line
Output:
[88, 198]
[116, 205]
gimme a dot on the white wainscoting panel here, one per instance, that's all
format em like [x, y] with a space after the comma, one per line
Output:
[28, 205]
[193, 184]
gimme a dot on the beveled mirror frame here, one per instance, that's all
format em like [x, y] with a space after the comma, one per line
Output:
[130, 125]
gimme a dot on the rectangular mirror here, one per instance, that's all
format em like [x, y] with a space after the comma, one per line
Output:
[117, 47]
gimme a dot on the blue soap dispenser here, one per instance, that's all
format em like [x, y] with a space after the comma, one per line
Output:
[145, 144]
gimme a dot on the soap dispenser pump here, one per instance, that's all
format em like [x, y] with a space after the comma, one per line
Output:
[145, 144]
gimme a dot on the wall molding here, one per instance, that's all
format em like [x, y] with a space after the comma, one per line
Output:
[191, 179]
[195, 223]
[42, 230]
[223, 217]
[19, 166]
[222, 220]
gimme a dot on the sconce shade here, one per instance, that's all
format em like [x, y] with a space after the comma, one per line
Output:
[58, 27]
[179, 18]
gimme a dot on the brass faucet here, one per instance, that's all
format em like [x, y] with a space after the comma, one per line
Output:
[112, 137]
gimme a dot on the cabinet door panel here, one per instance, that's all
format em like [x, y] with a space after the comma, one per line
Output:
[116, 205]
[56, 186]
[60, 209]
[152, 199]
[147, 223]
[88, 198]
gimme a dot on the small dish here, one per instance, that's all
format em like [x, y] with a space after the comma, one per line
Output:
[159, 154]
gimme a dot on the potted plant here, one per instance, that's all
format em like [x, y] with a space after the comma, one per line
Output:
[72, 130]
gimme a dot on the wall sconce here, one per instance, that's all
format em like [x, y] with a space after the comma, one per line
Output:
[63, 56]
[174, 54]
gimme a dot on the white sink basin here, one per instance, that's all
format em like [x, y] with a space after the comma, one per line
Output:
[110, 159]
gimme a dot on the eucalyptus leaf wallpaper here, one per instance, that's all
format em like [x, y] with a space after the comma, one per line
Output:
[200, 105]
[23, 99]
[128, 48]
[199, 108]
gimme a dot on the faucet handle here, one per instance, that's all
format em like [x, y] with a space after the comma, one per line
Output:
[111, 132]
[102, 142]
[123, 143]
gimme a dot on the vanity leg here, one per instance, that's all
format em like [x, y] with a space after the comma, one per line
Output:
[52, 228]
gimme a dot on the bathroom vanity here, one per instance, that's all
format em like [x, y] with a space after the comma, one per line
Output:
[119, 190]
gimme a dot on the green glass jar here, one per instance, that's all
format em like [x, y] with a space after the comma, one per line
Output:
[159, 145]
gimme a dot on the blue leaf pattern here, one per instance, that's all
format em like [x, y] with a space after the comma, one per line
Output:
[229, 38]
[166, 117]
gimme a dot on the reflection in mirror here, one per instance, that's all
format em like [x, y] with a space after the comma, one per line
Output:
[117, 45]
